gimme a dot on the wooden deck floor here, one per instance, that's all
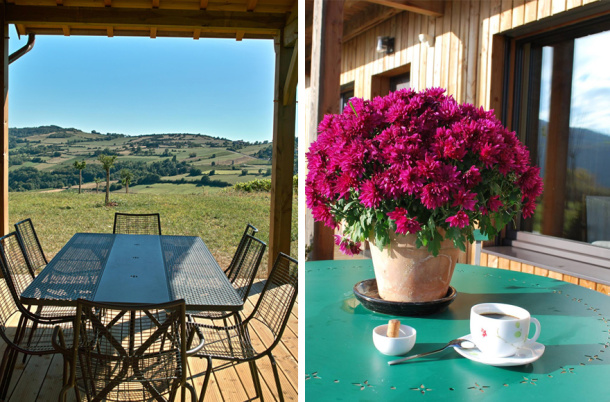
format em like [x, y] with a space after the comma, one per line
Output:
[40, 378]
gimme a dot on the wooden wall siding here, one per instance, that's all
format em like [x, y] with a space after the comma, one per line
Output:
[460, 57]
[488, 260]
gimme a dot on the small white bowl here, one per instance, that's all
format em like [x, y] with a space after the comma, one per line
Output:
[394, 346]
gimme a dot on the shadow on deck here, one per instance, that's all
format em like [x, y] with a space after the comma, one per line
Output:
[40, 378]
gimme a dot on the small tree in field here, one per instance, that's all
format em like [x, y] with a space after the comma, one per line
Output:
[97, 181]
[80, 166]
[107, 163]
[126, 178]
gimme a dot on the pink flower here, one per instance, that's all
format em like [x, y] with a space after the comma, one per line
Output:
[459, 220]
[465, 199]
[347, 246]
[494, 203]
[370, 196]
[404, 224]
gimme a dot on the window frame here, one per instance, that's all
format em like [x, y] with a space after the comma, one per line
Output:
[512, 59]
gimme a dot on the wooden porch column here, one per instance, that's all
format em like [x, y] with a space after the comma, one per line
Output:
[284, 119]
[325, 91]
[4, 161]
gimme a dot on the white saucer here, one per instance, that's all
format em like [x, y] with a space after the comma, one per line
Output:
[530, 352]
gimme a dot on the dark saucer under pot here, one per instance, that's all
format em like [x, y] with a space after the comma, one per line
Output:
[366, 292]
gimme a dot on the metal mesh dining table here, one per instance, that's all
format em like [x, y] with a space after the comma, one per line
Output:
[138, 269]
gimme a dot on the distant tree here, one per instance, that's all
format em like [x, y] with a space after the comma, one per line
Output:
[268, 172]
[195, 172]
[213, 163]
[212, 172]
[80, 166]
[126, 177]
[107, 162]
[244, 172]
[213, 156]
[260, 171]
[192, 154]
[97, 181]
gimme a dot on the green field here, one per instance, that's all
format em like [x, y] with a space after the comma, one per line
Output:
[217, 216]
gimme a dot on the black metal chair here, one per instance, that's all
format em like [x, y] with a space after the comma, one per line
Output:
[137, 224]
[250, 230]
[245, 263]
[270, 315]
[128, 353]
[33, 332]
[31, 245]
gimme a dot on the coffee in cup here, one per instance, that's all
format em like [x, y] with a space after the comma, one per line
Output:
[499, 330]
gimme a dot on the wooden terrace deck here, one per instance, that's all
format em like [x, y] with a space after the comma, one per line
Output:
[40, 378]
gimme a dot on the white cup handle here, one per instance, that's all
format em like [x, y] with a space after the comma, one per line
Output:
[537, 334]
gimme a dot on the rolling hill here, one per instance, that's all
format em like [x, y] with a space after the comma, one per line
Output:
[42, 158]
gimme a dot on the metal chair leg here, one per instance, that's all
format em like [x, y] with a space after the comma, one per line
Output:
[255, 379]
[4, 371]
[277, 377]
[208, 373]
[191, 391]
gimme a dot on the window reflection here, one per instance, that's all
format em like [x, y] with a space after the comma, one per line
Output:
[585, 163]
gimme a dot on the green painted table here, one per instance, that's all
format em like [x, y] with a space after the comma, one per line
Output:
[341, 362]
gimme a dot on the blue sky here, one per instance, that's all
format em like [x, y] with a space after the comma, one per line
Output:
[590, 83]
[133, 86]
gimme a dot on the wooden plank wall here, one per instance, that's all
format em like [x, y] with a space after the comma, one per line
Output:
[458, 60]
[460, 57]
[493, 261]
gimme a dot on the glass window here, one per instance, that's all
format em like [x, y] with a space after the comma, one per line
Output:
[400, 81]
[347, 93]
[570, 137]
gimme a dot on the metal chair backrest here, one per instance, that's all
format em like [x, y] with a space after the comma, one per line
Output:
[129, 352]
[249, 231]
[137, 224]
[246, 265]
[17, 276]
[31, 244]
[278, 296]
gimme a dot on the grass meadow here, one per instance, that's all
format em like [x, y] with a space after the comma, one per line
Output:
[218, 217]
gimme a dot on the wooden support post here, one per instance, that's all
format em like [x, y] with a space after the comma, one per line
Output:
[325, 92]
[284, 119]
[4, 161]
[556, 171]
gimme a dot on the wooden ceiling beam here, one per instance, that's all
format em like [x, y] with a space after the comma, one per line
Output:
[127, 17]
[432, 8]
[155, 3]
[203, 4]
[367, 19]
[66, 30]
[110, 32]
[59, 2]
[239, 35]
[196, 34]
[107, 3]
[153, 33]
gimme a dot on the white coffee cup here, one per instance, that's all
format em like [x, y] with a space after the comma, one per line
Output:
[499, 330]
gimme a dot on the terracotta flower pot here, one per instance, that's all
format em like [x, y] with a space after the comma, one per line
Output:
[405, 273]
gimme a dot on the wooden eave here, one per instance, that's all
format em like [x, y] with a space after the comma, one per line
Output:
[238, 19]
[360, 16]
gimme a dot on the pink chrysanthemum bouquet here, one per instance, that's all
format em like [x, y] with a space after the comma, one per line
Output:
[416, 162]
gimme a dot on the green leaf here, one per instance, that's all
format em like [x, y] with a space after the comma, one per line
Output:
[431, 224]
